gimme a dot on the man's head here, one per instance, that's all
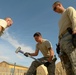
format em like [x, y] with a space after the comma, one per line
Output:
[58, 7]
[38, 37]
[9, 21]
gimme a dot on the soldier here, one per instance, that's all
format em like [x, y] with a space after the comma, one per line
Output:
[67, 36]
[46, 49]
[4, 23]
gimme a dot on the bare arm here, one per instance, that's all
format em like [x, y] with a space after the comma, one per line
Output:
[35, 53]
[51, 54]
[1, 29]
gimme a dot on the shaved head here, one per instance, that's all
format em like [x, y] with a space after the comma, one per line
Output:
[57, 2]
[9, 21]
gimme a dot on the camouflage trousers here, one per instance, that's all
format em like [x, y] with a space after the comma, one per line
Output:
[69, 54]
[35, 64]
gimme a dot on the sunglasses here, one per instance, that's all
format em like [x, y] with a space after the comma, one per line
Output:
[54, 8]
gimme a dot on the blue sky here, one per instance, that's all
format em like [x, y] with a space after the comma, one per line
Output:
[29, 16]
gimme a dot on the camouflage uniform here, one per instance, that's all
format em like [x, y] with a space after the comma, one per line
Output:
[35, 64]
[68, 20]
[65, 62]
[69, 54]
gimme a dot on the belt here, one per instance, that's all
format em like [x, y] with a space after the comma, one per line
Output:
[60, 36]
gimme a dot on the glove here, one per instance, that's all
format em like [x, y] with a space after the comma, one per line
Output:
[58, 48]
[74, 40]
[26, 54]
[47, 64]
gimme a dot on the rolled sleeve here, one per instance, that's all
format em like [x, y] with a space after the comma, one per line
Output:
[48, 44]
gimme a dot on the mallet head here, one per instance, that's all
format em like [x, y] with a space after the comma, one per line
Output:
[18, 49]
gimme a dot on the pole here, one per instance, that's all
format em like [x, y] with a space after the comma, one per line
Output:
[14, 69]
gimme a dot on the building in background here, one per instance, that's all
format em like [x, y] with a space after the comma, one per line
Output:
[7, 68]
[12, 69]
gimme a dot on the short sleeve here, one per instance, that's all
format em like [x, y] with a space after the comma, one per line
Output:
[72, 16]
[48, 44]
[37, 47]
[3, 23]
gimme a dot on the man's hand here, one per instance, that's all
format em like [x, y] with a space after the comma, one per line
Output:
[51, 55]
[26, 54]
[49, 59]
[74, 32]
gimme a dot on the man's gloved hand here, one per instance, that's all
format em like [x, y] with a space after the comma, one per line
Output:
[47, 64]
[58, 48]
[26, 54]
[74, 40]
